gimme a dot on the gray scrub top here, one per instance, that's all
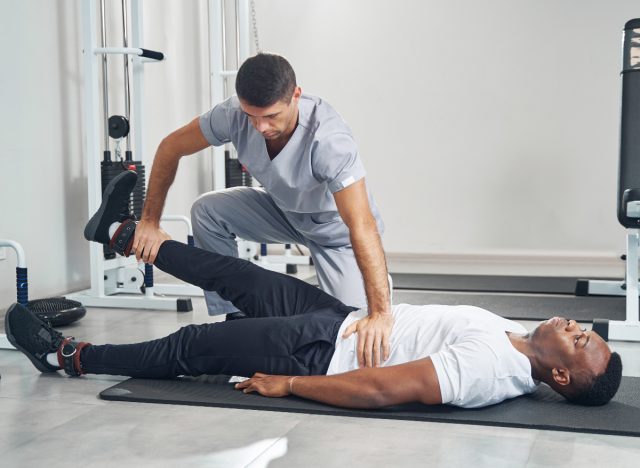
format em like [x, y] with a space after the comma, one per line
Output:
[321, 158]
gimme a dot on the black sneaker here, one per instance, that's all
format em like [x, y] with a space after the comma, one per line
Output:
[115, 196]
[32, 336]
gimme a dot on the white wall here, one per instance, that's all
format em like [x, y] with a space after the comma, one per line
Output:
[488, 129]
[43, 189]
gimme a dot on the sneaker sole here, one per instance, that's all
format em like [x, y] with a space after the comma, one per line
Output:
[92, 226]
[35, 361]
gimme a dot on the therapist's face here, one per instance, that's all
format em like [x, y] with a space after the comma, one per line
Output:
[277, 120]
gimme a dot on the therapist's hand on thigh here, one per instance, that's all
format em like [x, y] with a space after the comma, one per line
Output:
[374, 339]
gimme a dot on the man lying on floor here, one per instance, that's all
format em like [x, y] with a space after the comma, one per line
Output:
[458, 355]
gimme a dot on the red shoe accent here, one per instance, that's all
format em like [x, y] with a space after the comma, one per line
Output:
[76, 359]
[59, 352]
[77, 365]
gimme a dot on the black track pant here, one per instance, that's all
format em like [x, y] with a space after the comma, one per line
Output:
[291, 327]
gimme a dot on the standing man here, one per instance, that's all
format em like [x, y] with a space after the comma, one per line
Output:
[313, 193]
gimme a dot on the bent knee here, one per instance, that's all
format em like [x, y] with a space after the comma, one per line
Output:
[209, 207]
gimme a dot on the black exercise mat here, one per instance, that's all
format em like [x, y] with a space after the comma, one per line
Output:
[543, 409]
[524, 307]
[482, 283]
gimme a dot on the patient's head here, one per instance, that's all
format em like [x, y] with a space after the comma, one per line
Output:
[576, 363]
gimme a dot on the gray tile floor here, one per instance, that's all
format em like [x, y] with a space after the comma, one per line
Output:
[52, 420]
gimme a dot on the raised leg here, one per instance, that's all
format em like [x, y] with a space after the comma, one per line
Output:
[245, 212]
[252, 289]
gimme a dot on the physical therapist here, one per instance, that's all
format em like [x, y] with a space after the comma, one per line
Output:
[313, 193]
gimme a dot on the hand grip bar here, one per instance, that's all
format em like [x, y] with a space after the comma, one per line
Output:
[150, 54]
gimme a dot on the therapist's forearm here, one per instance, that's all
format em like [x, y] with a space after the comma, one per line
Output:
[369, 253]
[163, 173]
[188, 139]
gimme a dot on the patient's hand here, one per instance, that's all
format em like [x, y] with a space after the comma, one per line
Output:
[267, 385]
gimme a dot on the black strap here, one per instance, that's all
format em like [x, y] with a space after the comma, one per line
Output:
[68, 353]
[123, 237]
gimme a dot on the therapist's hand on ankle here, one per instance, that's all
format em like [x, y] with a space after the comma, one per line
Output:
[374, 338]
[147, 241]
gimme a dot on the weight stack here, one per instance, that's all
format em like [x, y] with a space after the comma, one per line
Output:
[629, 162]
[111, 169]
[235, 174]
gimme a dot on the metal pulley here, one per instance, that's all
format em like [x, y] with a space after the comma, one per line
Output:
[118, 127]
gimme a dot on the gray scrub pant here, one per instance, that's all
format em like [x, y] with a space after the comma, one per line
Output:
[251, 214]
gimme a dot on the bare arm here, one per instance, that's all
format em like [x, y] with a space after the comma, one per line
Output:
[414, 381]
[184, 141]
[374, 333]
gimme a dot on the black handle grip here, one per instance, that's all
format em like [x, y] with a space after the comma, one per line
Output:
[152, 54]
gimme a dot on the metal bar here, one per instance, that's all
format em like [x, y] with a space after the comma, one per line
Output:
[179, 218]
[237, 17]
[223, 27]
[624, 331]
[216, 82]
[178, 290]
[606, 288]
[22, 258]
[118, 50]
[127, 89]
[244, 41]
[125, 301]
[137, 120]
[633, 237]
[91, 109]
[242, 35]
[105, 80]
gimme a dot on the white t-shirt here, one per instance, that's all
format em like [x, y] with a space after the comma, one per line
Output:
[321, 158]
[473, 357]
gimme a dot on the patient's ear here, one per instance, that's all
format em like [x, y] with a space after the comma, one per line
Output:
[561, 375]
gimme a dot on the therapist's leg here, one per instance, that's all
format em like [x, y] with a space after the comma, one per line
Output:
[339, 274]
[245, 212]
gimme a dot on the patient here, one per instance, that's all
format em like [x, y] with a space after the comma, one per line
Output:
[298, 340]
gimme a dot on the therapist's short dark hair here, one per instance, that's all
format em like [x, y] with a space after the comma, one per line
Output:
[264, 79]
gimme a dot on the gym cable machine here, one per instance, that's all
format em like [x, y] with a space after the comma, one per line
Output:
[119, 281]
[628, 197]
